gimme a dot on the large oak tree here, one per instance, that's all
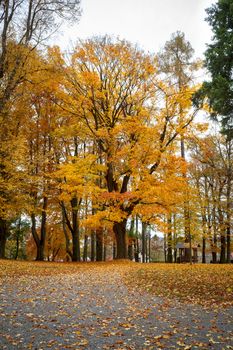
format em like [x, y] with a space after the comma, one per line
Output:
[133, 117]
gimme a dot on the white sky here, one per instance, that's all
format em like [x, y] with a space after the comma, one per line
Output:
[148, 23]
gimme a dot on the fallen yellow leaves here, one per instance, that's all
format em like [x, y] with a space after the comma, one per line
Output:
[208, 285]
[107, 306]
[11, 268]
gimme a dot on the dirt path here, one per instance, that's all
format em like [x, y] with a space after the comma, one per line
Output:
[93, 309]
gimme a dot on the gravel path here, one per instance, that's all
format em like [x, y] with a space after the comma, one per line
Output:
[94, 310]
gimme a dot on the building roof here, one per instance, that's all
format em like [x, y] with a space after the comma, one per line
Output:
[183, 245]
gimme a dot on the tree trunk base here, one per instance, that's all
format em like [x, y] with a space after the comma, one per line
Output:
[119, 229]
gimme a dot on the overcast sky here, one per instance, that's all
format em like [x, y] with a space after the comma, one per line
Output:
[148, 23]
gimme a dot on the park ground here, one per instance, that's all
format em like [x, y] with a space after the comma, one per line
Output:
[115, 305]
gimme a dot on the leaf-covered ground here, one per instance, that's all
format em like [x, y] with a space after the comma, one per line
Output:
[207, 285]
[104, 306]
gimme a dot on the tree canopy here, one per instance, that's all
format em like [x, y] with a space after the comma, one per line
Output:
[219, 63]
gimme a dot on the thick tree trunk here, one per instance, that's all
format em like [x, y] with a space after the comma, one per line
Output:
[35, 235]
[76, 247]
[93, 246]
[105, 252]
[149, 247]
[203, 250]
[223, 249]
[136, 250]
[169, 240]
[130, 250]
[131, 239]
[119, 229]
[187, 232]
[214, 241]
[169, 254]
[3, 237]
[75, 230]
[114, 250]
[136, 243]
[18, 231]
[228, 244]
[40, 252]
[214, 257]
[206, 220]
[17, 248]
[67, 238]
[165, 247]
[204, 223]
[85, 248]
[175, 237]
[222, 238]
[99, 245]
[144, 226]
[40, 241]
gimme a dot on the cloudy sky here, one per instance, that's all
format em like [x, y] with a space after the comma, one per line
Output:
[148, 23]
